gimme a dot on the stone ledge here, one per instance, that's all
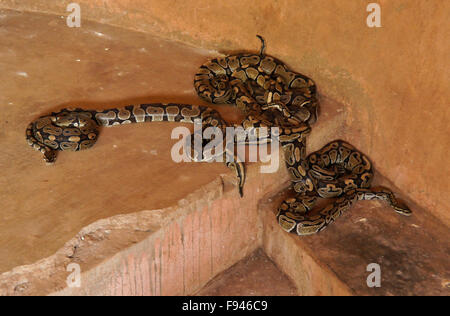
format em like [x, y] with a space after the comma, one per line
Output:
[412, 252]
[166, 252]
[172, 251]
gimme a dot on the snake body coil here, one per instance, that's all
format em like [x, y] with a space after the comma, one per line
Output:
[271, 95]
[338, 170]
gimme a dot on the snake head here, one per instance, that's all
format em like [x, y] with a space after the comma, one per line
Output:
[50, 156]
[303, 185]
[220, 82]
[298, 208]
[72, 119]
[66, 120]
[221, 89]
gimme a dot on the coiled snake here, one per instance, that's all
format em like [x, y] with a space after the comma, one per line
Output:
[273, 96]
[270, 95]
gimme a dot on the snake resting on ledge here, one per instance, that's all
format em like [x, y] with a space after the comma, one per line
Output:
[270, 95]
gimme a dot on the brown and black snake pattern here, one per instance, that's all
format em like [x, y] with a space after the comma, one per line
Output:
[337, 170]
[74, 129]
[270, 95]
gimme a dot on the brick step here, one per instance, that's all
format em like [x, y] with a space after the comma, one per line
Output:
[412, 253]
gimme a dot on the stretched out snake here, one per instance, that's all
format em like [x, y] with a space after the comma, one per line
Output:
[270, 95]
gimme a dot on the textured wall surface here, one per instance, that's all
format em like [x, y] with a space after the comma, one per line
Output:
[393, 80]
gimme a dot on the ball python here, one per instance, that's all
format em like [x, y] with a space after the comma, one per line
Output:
[262, 87]
[271, 95]
[337, 170]
[74, 129]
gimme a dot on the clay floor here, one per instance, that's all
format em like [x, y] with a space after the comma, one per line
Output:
[255, 275]
[47, 66]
